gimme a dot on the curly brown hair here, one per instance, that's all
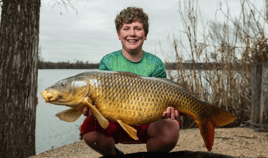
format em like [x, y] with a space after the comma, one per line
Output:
[129, 15]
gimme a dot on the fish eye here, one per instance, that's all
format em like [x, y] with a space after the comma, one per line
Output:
[59, 97]
[63, 83]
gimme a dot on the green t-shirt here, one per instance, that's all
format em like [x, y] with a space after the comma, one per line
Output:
[149, 66]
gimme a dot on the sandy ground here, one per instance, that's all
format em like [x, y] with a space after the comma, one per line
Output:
[237, 142]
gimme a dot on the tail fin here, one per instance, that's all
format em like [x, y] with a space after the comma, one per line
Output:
[219, 116]
[207, 130]
[215, 117]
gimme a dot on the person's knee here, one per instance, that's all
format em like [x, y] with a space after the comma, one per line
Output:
[165, 128]
[167, 146]
[164, 135]
[100, 143]
[90, 138]
[94, 138]
[170, 138]
[170, 141]
[163, 143]
[172, 132]
[171, 124]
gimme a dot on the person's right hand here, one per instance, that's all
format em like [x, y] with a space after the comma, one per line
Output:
[87, 112]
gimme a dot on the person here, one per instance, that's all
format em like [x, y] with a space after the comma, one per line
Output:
[162, 136]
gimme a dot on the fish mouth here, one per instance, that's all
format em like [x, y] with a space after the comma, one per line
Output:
[48, 96]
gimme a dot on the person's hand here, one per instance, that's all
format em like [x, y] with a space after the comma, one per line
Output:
[87, 112]
[171, 113]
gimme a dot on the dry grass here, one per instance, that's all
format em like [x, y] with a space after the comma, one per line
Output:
[231, 47]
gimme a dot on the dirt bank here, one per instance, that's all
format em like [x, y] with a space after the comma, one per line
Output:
[238, 142]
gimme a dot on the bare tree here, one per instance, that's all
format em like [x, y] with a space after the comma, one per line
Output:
[266, 9]
[230, 47]
[19, 37]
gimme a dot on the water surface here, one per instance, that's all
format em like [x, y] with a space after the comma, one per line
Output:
[51, 131]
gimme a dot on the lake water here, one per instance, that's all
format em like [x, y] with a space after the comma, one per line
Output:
[51, 131]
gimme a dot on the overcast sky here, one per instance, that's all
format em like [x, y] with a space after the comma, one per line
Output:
[88, 32]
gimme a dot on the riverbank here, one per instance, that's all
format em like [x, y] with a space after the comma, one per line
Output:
[237, 142]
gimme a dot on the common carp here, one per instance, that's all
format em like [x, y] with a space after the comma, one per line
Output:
[131, 100]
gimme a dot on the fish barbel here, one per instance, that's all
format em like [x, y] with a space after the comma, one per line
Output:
[131, 100]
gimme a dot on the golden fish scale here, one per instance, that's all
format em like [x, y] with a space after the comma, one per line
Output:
[136, 100]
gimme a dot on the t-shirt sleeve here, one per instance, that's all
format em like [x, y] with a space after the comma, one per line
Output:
[160, 70]
[103, 64]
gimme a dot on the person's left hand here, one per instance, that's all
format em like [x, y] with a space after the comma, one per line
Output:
[171, 113]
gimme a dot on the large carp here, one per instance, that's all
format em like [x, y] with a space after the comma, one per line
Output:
[130, 99]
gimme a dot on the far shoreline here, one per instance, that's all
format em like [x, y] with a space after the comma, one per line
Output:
[81, 65]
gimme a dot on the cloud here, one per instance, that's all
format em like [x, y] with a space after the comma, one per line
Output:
[92, 31]
[88, 33]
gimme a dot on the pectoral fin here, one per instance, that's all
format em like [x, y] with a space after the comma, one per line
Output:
[132, 132]
[69, 115]
[101, 119]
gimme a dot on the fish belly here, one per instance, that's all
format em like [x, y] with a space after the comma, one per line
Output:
[136, 113]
